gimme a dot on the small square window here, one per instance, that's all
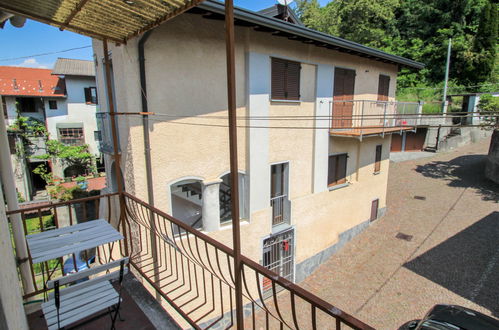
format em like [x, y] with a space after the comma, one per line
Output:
[52, 104]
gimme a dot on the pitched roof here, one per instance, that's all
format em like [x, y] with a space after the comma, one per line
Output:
[278, 10]
[300, 33]
[72, 67]
[18, 81]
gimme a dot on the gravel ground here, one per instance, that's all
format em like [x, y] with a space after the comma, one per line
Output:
[453, 256]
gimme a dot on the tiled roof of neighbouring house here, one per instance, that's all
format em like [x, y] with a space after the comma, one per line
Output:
[18, 81]
[72, 67]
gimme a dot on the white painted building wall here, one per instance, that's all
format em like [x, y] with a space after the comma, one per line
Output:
[74, 110]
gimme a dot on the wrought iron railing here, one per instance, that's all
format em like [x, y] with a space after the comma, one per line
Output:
[279, 214]
[192, 272]
[366, 114]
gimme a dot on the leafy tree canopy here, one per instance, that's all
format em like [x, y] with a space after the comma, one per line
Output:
[417, 29]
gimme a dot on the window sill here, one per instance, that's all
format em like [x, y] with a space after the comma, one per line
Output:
[338, 186]
[285, 101]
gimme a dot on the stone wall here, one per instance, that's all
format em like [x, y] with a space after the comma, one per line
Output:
[492, 163]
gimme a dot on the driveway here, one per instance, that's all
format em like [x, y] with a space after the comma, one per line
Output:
[449, 213]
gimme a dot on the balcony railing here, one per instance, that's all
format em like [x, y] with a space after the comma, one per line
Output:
[192, 272]
[365, 116]
[280, 210]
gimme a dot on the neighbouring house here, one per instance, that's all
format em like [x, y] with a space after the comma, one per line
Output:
[316, 115]
[64, 100]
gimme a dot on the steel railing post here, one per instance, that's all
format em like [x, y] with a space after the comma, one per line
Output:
[231, 100]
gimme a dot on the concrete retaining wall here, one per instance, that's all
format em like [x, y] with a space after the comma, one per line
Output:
[467, 135]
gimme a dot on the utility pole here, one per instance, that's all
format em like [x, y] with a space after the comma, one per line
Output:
[447, 65]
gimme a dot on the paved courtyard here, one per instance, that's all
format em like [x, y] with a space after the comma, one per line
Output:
[452, 213]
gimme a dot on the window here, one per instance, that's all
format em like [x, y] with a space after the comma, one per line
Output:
[71, 136]
[26, 104]
[377, 161]
[91, 95]
[337, 169]
[285, 80]
[383, 87]
[52, 104]
[374, 210]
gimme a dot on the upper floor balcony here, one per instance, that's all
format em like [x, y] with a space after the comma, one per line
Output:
[358, 118]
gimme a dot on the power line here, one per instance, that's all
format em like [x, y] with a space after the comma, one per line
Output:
[43, 54]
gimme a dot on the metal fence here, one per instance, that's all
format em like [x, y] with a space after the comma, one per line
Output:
[192, 272]
[278, 204]
[355, 114]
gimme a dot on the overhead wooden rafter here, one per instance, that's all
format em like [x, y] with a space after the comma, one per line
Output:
[116, 20]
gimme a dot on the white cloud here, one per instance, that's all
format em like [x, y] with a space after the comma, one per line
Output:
[33, 63]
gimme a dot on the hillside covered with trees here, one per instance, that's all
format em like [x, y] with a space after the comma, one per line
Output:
[419, 29]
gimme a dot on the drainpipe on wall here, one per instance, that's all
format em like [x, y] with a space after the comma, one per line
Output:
[147, 149]
[145, 118]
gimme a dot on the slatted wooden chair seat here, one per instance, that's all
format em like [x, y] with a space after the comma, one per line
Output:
[73, 303]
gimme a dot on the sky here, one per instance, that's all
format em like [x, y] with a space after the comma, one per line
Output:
[37, 38]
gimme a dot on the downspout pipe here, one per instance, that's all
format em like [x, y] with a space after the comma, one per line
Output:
[145, 118]
[147, 150]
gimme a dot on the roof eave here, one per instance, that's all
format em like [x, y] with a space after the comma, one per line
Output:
[301, 31]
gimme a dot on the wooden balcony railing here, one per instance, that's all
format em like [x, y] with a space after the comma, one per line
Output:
[191, 272]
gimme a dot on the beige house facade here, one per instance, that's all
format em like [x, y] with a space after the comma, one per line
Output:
[304, 191]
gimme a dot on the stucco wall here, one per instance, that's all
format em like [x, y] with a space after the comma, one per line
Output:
[186, 89]
[74, 110]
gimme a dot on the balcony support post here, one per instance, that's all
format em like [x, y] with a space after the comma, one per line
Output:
[114, 132]
[232, 108]
[7, 176]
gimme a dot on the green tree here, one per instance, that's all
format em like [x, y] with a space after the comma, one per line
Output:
[77, 156]
[484, 46]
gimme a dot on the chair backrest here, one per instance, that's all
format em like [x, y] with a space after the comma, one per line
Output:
[87, 272]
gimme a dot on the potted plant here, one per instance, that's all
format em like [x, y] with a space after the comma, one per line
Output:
[81, 181]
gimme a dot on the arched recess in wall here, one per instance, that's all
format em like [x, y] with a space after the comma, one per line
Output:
[226, 200]
[73, 171]
[186, 196]
[113, 184]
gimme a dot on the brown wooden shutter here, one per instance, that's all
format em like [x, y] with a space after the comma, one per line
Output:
[383, 87]
[377, 162]
[278, 88]
[293, 81]
[285, 76]
[88, 95]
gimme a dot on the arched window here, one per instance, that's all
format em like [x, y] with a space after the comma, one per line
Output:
[187, 202]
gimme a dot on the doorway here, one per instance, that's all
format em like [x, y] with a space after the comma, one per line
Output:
[343, 91]
[278, 256]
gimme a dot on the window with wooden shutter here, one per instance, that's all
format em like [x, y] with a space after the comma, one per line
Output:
[285, 84]
[337, 169]
[383, 87]
[377, 161]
